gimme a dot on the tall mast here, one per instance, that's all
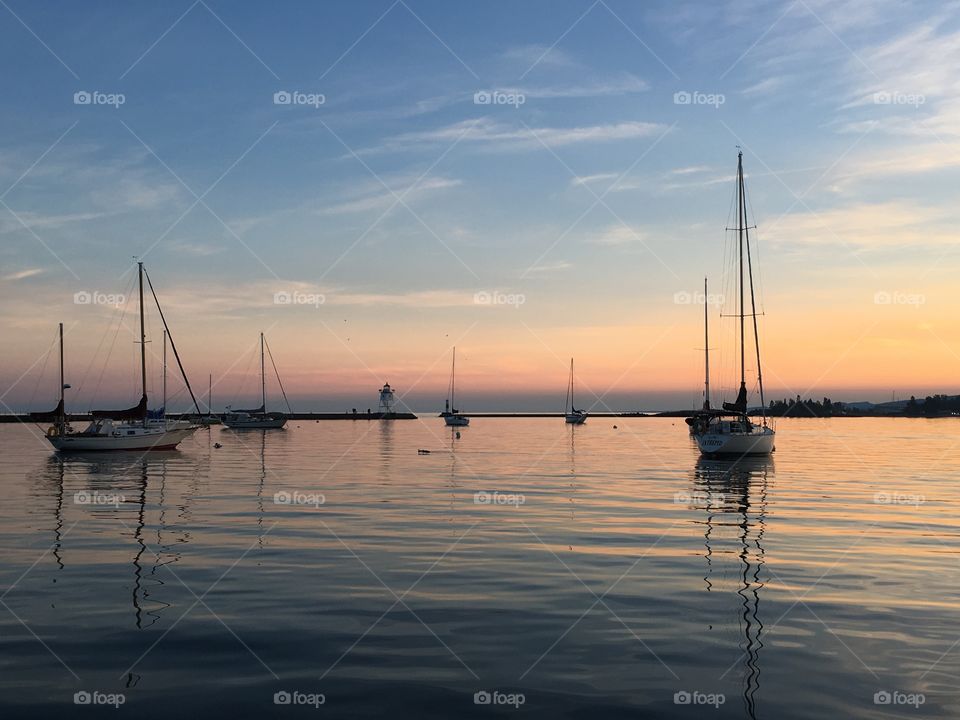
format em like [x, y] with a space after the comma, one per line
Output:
[143, 342]
[263, 378]
[164, 374]
[453, 381]
[63, 410]
[706, 350]
[210, 395]
[740, 230]
[571, 384]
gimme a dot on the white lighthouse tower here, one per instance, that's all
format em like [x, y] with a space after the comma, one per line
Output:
[387, 401]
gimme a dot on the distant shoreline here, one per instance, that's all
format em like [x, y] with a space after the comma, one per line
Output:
[318, 416]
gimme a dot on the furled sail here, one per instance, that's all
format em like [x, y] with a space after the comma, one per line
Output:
[256, 411]
[51, 416]
[740, 405]
[138, 412]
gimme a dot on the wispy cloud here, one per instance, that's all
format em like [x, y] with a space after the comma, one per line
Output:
[23, 274]
[511, 137]
[370, 198]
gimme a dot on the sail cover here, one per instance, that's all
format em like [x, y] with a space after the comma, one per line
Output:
[54, 414]
[138, 412]
[256, 411]
[740, 405]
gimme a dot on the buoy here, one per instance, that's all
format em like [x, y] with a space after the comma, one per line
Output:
[458, 434]
[614, 427]
[217, 445]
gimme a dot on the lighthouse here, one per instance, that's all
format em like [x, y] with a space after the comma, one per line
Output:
[387, 400]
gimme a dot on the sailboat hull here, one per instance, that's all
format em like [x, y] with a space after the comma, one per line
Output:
[715, 444]
[575, 418]
[119, 440]
[456, 420]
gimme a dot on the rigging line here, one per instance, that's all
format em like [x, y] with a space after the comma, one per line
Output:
[173, 345]
[277, 373]
[82, 384]
[43, 369]
[756, 244]
[106, 361]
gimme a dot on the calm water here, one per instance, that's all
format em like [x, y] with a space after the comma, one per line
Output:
[609, 570]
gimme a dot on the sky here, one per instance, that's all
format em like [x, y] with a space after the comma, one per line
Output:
[370, 183]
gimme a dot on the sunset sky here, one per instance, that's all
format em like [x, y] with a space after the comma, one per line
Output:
[577, 222]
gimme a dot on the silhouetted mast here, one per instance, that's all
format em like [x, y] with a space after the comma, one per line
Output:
[706, 350]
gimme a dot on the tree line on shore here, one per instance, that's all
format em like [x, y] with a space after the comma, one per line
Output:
[930, 406]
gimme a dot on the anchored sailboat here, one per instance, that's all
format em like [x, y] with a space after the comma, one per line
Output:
[572, 415]
[730, 431]
[129, 429]
[259, 418]
[451, 416]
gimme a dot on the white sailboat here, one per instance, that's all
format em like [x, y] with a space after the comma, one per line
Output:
[259, 418]
[730, 431]
[573, 416]
[129, 429]
[451, 416]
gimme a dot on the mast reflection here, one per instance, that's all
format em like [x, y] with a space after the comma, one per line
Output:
[733, 495]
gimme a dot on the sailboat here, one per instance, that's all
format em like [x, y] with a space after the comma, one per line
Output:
[451, 416]
[704, 412]
[129, 429]
[730, 431]
[573, 416]
[259, 418]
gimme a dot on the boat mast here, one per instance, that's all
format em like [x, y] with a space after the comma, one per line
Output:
[263, 378]
[706, 350]
[210, 395]
[756, 332]
[571, 384]
[453, 382]
[143, 342]
[62, 420]
[164, 374]
[741, 211]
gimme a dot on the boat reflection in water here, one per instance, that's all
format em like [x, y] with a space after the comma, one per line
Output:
[733, 496]
[130, 491]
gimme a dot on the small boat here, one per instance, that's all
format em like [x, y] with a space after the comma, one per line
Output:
[259, 418]
[731, 431]
[129, 429]
[451, 416]
[573, 416]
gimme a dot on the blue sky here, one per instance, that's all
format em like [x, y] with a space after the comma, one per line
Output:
[597, 199]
